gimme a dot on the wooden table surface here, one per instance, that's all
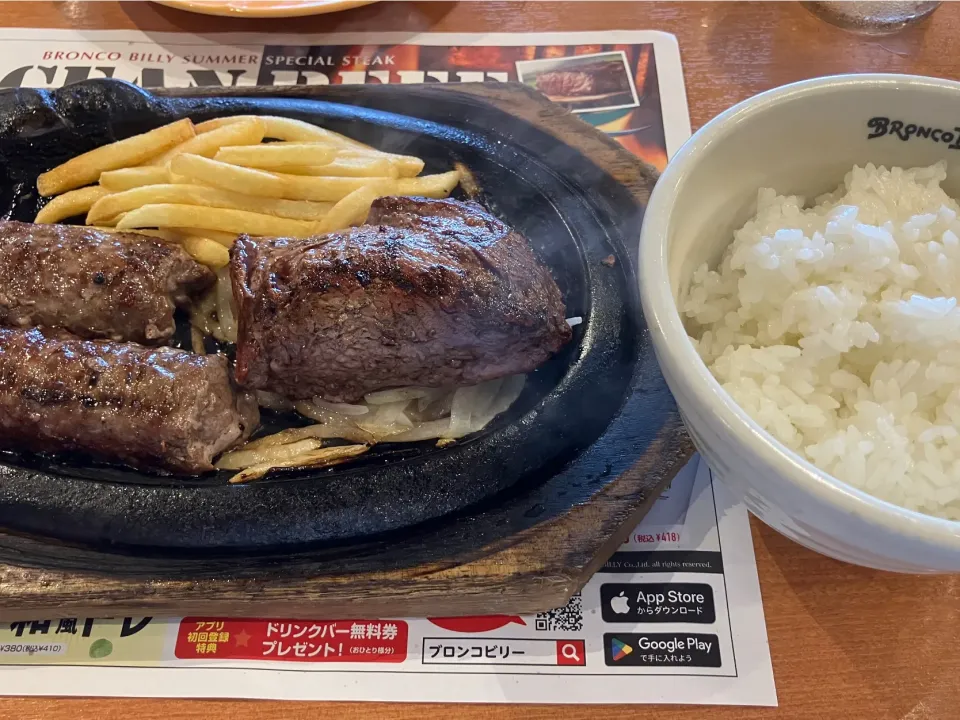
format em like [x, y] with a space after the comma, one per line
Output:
[846, 642]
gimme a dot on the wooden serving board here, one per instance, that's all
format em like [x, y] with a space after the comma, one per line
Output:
[467, 567]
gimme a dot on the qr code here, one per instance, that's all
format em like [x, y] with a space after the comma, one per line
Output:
[568, 618]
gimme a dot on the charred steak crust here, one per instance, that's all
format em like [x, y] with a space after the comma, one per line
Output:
[117, 286]
[431, 293]
[592, 79]
[149, 408]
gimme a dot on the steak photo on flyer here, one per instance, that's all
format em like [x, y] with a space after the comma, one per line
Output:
[593, 79]
[601, 81]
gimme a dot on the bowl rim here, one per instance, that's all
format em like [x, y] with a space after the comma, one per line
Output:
[691, 373]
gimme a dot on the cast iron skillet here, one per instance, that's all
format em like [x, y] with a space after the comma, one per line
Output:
[581, 420]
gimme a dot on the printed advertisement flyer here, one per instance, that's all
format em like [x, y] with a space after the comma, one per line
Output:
[675, 616]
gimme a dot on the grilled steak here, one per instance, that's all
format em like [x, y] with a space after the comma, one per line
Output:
[148, 408]
[430, 293]
[96, 284]
[594, 79]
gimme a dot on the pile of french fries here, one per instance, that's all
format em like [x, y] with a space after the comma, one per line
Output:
[204, 184]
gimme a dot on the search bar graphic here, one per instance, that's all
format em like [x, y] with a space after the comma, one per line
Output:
[504, 651]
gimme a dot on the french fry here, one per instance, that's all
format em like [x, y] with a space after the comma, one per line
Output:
[276, 155]
[169, 235]
[166, 215]
[111, 223]
[176, 179]
[287, 129]
[198, 243]
[206, 252]
[245, 132]
[128, 178]
[215, 123]
[258, 182]
[226, 239]
[326, 189]
[406, 165]
[227, 177]
[324, 457]
[87, 168]
[111, 205]
[431, 186]
[281, 128]
[468, 183]
[74, 202]
[351, 166]
[355, 207]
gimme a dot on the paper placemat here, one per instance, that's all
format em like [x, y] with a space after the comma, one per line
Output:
[675, 616]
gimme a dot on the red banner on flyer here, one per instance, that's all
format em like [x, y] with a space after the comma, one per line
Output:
[292, 640]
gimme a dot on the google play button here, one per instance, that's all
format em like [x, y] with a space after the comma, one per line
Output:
[674, 649]
[619, 649]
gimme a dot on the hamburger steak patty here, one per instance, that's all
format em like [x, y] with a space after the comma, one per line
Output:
[430, 292]
[117, 286]
[144, 407]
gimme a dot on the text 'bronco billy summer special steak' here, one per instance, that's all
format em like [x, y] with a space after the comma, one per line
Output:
[351, 290]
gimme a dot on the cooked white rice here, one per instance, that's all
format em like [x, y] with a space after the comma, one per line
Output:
[837, 329]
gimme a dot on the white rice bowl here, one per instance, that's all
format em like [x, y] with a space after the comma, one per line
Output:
[836, 328]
